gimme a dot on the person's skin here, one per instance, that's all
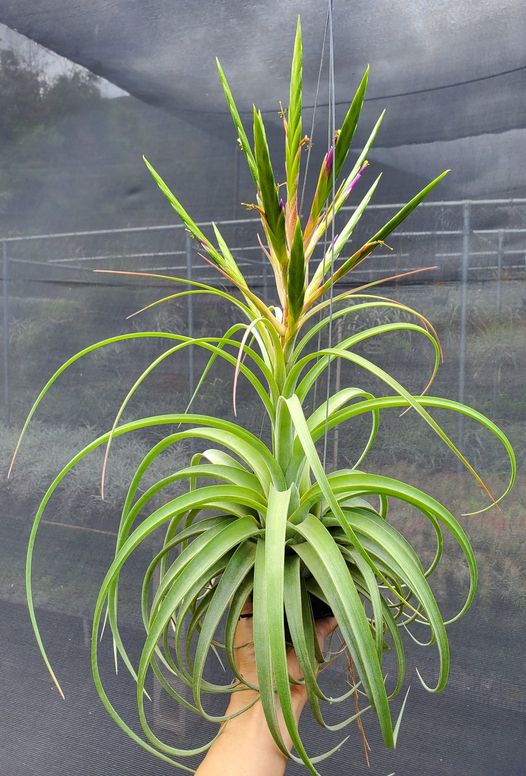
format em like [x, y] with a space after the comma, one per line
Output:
[245, 746]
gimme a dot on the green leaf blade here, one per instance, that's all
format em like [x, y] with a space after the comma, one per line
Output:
[296, 274]
[238, 124]
[274, 213]
[292, 148]
[349, 125]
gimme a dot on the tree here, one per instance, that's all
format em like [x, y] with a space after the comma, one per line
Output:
[22, 93]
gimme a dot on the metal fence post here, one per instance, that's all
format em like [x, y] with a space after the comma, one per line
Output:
[190, 313]
[499, 272]
[500, 255]
[235, 201]
[265, 278]
[337, 387]
[5, 305]
[466, 232]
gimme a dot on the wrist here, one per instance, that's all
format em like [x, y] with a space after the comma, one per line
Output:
[250, 727]
[251, 723]
[245, 742]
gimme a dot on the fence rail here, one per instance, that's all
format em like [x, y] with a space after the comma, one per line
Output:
[496, 249]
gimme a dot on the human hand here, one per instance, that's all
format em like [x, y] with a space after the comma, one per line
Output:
[246, 666]
[245, 746]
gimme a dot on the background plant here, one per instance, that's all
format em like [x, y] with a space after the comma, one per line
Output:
[269, 522]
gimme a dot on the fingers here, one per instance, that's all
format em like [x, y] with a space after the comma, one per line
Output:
[246, 611]
[324, 627]
[244, 641]
[244, 630]
[245, 657]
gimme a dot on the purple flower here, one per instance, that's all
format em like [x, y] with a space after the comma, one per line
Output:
[356, 178]
[329, 159]
[281, 203]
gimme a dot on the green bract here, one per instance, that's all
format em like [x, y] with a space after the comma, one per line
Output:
[268, 523]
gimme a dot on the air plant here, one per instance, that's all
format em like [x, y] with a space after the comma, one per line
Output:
[269, 524]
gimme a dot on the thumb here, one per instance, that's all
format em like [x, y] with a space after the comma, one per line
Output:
[324, 627]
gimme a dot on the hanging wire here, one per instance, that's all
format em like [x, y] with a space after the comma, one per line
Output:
[331, 141]
[324, 244]
[311, 135]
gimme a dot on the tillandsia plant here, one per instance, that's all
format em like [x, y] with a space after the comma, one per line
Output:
[268, 525]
